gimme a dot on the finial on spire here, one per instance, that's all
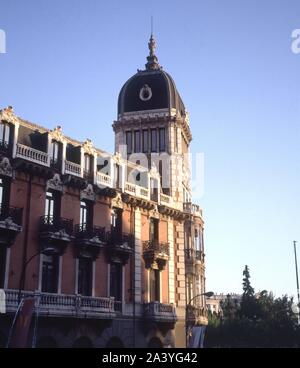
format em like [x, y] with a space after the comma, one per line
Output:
[152, 63]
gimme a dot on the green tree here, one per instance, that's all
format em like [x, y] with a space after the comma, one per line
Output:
[249, 306]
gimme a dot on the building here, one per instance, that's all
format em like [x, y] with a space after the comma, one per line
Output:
[110, 244]
[214, 304]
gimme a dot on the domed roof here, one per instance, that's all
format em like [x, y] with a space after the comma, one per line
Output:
[150, 89]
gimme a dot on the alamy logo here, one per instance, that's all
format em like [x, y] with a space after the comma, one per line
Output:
[2, 42]
[295, 46]
[2, 301]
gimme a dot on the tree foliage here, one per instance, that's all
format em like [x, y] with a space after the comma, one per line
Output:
[259, 320]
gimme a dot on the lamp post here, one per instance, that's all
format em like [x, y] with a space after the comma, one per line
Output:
[297, 280]
[208, 294]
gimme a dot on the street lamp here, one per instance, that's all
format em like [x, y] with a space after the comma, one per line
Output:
[208, 294]
[297, 280]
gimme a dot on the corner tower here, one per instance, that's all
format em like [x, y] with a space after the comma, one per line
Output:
[152, 121]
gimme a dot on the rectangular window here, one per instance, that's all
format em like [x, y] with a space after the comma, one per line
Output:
[55, 151]
[118, 176]
[116, 225]
[4, 133]
[153, 189]
[129, 142]
[2, 265]
[145, 141]
[1, 191]
[153, 140]
[154, 285]
[49, 207]
[154, 223]
[52, 204]
[87, 163]
[4, 197]
[137, 141]
[50, 274]
[85, 276]
[83, 213]
[162, 143]
[116, 279]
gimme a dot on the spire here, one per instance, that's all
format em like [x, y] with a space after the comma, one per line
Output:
[152, 61]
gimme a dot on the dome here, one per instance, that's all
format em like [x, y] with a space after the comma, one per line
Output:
[150, 89]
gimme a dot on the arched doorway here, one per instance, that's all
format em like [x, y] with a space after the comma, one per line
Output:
[46, 342]
[114, 342]
[155, 343]
[83, 342]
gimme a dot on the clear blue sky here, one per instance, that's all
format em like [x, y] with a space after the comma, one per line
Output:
[232, 62]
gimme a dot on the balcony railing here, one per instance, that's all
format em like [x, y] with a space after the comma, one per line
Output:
[191, 208]
[54, 223]
[160, 312]
[166, 200]
[119, 246]
[103, 180]
[155, 252]
[72, 168]
[32, 154]
[86, 230]
[137, 190]
[115, 238]
[156, 246]
[62, 305]
[11, 213]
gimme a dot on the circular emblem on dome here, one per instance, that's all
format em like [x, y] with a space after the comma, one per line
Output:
[145, 93]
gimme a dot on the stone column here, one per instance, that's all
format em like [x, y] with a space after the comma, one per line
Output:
[171, 262]
[137, 256]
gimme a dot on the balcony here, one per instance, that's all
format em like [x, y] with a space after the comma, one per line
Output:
[55, 233]
[166, 200]
[89, 239]
[156, 254]
[192, 209]
[32, 155]
[196, 315]
[137, 191]
[10, 224]
[61, 305]
[103, 180]
[119, 246]
[72, 168]
[159, 312]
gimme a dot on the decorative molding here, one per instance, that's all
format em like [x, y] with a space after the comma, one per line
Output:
[55, 183]
[154, 212]
[5, 167]
[8, 115]
[118, 158]
[117, 201]
[88, 147]
[88, 193]
[56, 134]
